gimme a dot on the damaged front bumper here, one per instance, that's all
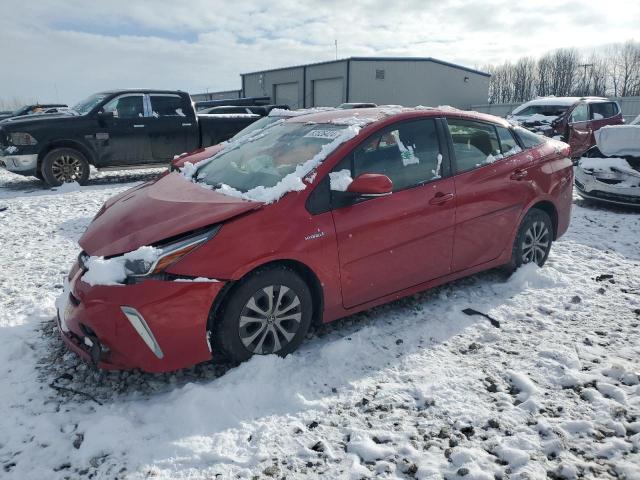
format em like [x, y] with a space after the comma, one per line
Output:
[610, 187]
[20, 164]
[154, 325]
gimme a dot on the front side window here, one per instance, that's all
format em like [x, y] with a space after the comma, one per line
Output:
[266, 159]
[166, 106]
[580, 113]
[126, 106]
[408, 153]
[603, 110]
[474, 143]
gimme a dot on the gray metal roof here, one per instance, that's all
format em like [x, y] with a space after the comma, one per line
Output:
[374, 59]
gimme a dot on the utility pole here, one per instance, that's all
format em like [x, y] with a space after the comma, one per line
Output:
[336, 42]
[584, 77]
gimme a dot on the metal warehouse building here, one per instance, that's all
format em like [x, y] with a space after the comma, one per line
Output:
[407, 81]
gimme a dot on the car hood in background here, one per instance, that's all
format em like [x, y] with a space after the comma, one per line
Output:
[155, 211]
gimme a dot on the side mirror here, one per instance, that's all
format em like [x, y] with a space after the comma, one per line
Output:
[371, 185]
[104, 116]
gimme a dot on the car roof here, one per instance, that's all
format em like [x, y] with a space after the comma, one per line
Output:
[378, 114]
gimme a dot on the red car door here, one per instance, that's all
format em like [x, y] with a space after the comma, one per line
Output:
[492, 182]
[390, 243]
[580, 130]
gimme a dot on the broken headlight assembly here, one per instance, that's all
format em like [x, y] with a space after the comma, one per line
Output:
[168, 253]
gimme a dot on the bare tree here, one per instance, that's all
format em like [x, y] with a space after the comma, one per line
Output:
[624, 69]
[523, 79]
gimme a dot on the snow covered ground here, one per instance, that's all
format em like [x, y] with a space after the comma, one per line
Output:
[414, 389]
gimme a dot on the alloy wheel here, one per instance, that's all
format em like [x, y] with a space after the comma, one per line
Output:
[535, 243]
[270, 319]
[67, 168]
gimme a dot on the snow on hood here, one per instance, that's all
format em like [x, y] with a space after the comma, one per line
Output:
[619, 140]
[606, 165]
[536, 117]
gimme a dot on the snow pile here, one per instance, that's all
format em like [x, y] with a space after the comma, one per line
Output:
[339, 181]
[619, 140]
[67, 187]
[292, 182]
[113, 271]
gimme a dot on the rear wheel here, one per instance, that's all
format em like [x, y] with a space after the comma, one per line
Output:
[533, 241]
[268, 312]
[64, 165]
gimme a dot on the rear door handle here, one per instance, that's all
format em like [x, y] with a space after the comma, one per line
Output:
[519, 175]
[441, 198]
[138, 126]
[186, 124]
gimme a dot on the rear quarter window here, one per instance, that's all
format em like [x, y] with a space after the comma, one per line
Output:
[528, 139]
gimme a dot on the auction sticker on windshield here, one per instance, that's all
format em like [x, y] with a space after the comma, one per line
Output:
[322, 133]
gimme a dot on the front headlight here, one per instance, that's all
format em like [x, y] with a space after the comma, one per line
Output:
[22, 138]
[167, 254]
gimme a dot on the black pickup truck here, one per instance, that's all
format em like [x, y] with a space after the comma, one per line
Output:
[111, 130]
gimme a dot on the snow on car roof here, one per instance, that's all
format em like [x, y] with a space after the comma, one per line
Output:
[370, 115]
[564, 101]
[619, 140]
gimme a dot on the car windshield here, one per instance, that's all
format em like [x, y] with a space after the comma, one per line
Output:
[546, 110]
[257, 125]
[266, 159]
[21, 111]
[86, 105]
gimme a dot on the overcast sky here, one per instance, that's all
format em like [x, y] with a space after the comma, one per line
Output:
[65, 50]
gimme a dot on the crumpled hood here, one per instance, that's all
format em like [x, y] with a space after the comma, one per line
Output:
[157, 210]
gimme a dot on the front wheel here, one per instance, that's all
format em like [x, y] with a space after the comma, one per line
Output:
[64, 165]
[533, 241]
[268, 312]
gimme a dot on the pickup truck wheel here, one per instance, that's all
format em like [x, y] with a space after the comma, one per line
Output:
[64, 165]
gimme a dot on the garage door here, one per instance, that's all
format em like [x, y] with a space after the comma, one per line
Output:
[328, 92]
[287, 94]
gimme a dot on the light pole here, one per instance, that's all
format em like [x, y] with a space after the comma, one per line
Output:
[584, 77]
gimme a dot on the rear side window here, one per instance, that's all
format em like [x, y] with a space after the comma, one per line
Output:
[528, 139]
[508, 144]
[408, 153]
[474, 143]
[166, 106]
[603, 110]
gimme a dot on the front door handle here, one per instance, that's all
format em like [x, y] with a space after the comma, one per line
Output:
[186, 124]
[138, 126]
[519, 175]
[440, 198]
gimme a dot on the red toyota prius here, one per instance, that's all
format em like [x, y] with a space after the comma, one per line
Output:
[309, 220]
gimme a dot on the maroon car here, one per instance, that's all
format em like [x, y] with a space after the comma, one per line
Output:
[587, 115]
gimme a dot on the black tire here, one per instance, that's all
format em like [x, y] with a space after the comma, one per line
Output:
[237, 322]
[62, 165]
[535, 230]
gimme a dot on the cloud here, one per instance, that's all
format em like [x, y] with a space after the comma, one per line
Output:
[67, 50]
